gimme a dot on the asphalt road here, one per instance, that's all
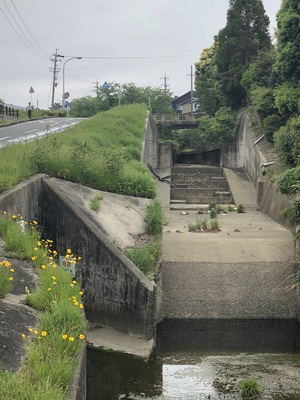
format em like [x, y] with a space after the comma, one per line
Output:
[34, 129]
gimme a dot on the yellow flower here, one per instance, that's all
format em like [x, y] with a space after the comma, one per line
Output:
[49, 288]
[35, 249]
[43, 266]
[81, 305]
[14, 216]
[79, 258]
[54, 265]
[35, 332]
[76, 303]
[71, 284]
[34, 222]
[7, 263]
[74, 282]
[44, 333]
[4, 212]
[71, 339]
[53, 277]
[81, 336]
[81, 293]
[23, 336]
[33, 258]
[39, 244]
[54, 283]
[12, 270]
[69, 251]
[11, 278]
[64, 336]
[30, 330]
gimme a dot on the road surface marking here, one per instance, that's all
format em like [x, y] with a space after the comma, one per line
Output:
[5, 137]
[33, 130]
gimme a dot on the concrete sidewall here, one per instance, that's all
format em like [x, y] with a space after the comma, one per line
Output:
[117, 294]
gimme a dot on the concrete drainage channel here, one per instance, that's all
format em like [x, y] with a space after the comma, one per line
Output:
[203, 360]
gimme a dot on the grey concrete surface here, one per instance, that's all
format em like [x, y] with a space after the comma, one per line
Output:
[110, 339]
[16, 317]
[243, 271]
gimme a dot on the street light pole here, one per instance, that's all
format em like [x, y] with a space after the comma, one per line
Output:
[63, 94]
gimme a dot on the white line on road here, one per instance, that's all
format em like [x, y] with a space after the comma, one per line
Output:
[5, 137]
[33, 130]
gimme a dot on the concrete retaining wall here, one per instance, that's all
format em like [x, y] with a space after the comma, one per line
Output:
[165, 155]
[117, 294]
[24, 199]
[244, 153]
[150, 148]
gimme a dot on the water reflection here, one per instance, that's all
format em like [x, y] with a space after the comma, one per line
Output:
[197, 360]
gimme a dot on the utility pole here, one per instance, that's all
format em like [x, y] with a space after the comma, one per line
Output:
[192, 89]
[55, 72]
[165, 85]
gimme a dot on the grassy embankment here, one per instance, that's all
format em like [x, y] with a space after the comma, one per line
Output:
[55, 344]
[104, 153]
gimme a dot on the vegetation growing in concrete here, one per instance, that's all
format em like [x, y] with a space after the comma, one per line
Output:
[6, 278]
[146, 255]
[103, 152]
[154, 218]
[203, 225]
[249, 388]
[53, 347]
[240, 209]
[95, 203]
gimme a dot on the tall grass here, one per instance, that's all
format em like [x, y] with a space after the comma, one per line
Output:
[55, 344]
[103, 152]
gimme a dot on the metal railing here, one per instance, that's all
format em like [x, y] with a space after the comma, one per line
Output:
[175, 118]
[9, 111]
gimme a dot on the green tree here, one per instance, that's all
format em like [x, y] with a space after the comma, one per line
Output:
[288, 41]
[157, 100]
[84, 106]
[261, 71]
[206, 82]
[287, 142]
[245, 34]
[107, 97]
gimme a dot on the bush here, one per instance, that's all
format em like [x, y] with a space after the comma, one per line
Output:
[249, 388]
[287, 142]
[271, 124]
[240, 209]
[288, 179]
[154, 218]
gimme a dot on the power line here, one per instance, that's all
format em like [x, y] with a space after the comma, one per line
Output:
[136, 57]
[32, 48]
[28, 29]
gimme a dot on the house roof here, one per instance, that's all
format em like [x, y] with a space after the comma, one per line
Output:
[183, 99]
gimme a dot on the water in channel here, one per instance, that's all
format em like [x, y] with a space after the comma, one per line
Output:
[203, 359]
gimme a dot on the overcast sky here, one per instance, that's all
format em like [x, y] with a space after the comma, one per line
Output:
[162, 37]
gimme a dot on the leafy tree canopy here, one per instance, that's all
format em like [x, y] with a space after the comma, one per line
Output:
[206, 82]
[245, 34]
[157, 100]
[288, 41]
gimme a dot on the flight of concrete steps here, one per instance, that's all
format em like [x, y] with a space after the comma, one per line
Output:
[197, 184]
